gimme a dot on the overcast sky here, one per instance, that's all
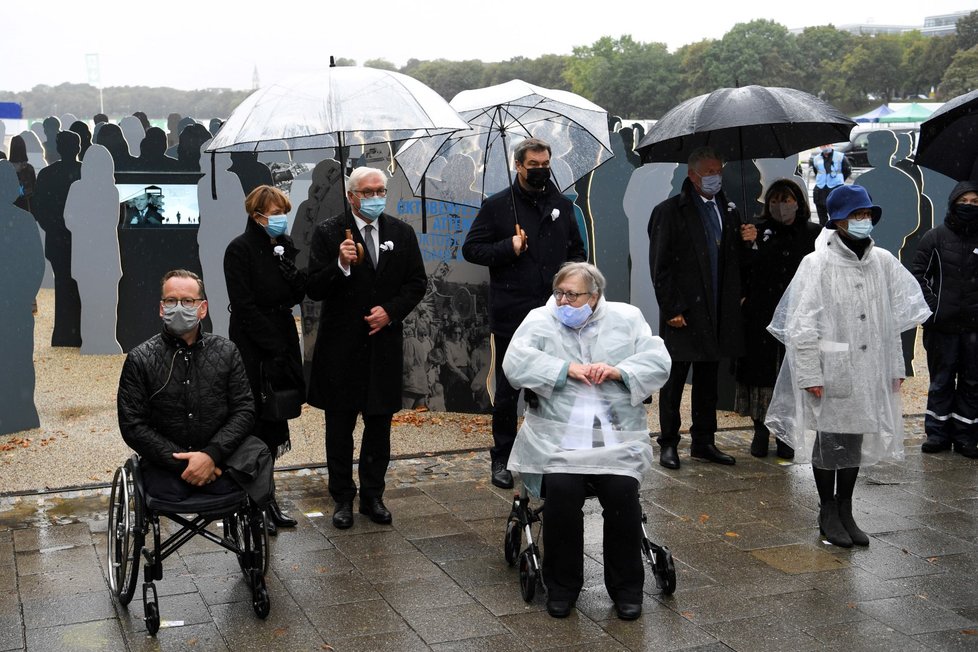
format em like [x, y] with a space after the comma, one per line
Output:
[191, 45]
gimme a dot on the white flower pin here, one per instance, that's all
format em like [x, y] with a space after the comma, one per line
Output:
[387, 245]
[279, 250]
[554, 214]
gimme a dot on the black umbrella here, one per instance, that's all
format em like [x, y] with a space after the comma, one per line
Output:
[745, 123]
[949, 138]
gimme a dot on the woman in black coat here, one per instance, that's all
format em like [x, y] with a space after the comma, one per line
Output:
[263, 285]
[785, 235]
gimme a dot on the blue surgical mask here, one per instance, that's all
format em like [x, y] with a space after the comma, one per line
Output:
[711, 184]
[277, 224]
[572, 317]
[372, 207]
[860, 229]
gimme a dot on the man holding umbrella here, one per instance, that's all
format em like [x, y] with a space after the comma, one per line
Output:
[523, 234]
[357, 363]
[695, 240]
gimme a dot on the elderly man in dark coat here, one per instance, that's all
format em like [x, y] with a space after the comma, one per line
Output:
[357, 363]
[521, 271]
[695, 241]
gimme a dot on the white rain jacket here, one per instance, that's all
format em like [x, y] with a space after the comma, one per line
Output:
[840, 321]
[576, 427]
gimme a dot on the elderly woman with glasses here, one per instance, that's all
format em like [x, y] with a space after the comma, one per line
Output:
[590, 363]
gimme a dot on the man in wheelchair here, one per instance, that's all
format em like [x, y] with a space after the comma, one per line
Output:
[184, 401]
[185, 407]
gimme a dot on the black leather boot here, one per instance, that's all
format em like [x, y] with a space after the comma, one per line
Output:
[785, 451]
[858, 537]
[831, 526]
[278, 517]
[762, 436]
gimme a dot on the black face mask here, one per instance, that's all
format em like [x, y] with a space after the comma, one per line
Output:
[967, 212]
[537, 177]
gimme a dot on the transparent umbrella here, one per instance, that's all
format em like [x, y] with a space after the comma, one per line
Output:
[339, 107]
[467, 166]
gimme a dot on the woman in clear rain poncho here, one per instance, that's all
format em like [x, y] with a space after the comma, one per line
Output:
[837, 398]
[590, 363]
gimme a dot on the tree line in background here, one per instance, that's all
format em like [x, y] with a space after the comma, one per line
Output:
[634, 79]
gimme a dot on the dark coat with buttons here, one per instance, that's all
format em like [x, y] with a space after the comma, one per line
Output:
[262, 325]
[767, 271]
[518, 284]
[683, 280]
[352, 370]
[175, 398]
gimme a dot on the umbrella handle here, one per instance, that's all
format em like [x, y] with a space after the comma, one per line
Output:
[521, 234]
[349, 236]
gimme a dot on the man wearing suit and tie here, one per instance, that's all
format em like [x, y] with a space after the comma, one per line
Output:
[357, 363]
[695, 248]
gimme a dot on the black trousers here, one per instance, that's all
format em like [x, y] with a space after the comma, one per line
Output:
[504, 403]
[704, 403]
[952, 397]
[563, 535]
[375, 454]
[167, 485]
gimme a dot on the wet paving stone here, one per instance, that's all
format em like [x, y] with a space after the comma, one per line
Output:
[753, 573]
[799, 558]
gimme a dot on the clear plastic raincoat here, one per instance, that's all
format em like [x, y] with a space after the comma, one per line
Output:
[840, 321]
[576, 427]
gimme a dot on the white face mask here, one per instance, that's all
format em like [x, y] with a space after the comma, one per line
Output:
[784, 212]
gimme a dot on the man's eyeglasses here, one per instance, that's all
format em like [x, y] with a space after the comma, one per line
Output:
[370, 194]
[171, 302]
[571, 296]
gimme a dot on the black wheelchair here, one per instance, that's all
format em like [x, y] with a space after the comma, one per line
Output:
[524, 519]
[132, 512]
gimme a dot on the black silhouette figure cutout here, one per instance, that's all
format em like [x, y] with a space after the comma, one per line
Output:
[50, 195]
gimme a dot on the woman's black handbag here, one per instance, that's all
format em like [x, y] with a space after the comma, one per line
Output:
[278, 404]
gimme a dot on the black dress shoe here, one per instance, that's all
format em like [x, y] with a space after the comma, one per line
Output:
[627, 611]
[343, 515]
[935, 445]
[711, 453]
[270, 526]
[375, 509]
[560, 608]
[278, 517]
[501, 476]
[669, 457]
[968, 450]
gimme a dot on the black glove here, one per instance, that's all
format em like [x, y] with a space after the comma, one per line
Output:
[287, 266]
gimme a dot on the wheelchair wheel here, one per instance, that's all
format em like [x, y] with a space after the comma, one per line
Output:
[528, 575]
[152, 618]
[248, 532]
[259, 597]
[663, 566]
[513, 541]
[125, 536]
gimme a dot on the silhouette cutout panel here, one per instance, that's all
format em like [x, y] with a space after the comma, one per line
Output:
[222, 219]
[92, 216]
[50, 195]
[21, 271]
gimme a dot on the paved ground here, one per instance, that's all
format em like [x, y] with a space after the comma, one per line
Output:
[753, 573]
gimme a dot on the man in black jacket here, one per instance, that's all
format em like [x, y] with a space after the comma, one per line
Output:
[946, 265]
[523, 234]
[695, 240]
[184, 401]
[357, 365]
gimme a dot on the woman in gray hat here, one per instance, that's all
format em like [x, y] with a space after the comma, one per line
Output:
[837, 398]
